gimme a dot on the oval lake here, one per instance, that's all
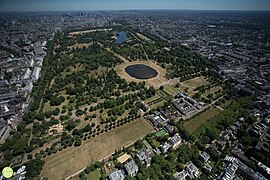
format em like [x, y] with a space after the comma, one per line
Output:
[141, 71]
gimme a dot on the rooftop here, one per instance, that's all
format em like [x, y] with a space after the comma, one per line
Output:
[117, 175]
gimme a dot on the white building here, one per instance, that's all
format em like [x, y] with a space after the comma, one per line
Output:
[35, 74]
[117, 175]
[27, 74]
[29, 86]
[32, 62]
[175, 141]
[181, 175]
[204, 156]
[193, 171]
[131, 168]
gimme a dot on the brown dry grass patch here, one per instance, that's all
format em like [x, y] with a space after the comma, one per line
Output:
[69, 161]
[143, 37]
[80, 45]
[193, 84]
[87, 31]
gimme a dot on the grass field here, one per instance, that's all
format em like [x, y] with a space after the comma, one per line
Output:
[87, 31]
[48, 107]
[171, 90]
[212, 90]
[193, 84]
[226, 104]
[95, 175]
[155, 101]
[143, 37]
[156, 143]
[152, 99]
[196, 122]
[158, 104]
[160, 133]
[80, 45]
[69, 161]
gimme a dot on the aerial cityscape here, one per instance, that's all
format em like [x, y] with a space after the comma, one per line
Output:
[139, 90]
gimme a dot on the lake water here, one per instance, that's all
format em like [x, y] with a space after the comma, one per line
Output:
[121, 37]
[140, 71]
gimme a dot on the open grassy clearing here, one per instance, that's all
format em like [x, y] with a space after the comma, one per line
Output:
[159, 104]
[213, 91]
[156, 143]
[226, 104]
[143, 37]
[196, 122]
[70, 160]
[151, 99]
[171, 90]
[95, 175]
[48, 107]
[80, 45]
[155, 101]
[193, 84]
[87, 31]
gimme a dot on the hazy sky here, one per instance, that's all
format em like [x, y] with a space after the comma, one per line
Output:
[54, 5]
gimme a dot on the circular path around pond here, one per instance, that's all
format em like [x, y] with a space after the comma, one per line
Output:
[141, 71]
[154, 76]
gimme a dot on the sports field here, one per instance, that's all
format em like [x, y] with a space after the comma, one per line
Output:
[71, 160]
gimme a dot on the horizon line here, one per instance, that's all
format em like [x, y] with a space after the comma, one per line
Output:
[250, 10]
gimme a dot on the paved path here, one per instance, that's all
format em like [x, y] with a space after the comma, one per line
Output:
[169, 82]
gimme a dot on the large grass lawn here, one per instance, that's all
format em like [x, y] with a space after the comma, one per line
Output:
[69, 161]
[193, 84]
[143, 37]
[95, 175]
[213, 91]
[226, 104]
[155, 101]
[196, 122]
[171, 90]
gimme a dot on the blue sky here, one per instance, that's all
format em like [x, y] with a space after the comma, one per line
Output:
[54, 5]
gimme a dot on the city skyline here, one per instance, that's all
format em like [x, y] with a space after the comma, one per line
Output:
[69, 5]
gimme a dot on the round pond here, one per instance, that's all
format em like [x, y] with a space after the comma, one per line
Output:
[141, 71]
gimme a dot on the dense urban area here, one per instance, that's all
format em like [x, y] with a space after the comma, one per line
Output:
[135, 95]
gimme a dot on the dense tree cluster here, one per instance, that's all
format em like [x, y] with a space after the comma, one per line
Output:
[33, 168]
[163, 167]
[131, 52]
[213, 127]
